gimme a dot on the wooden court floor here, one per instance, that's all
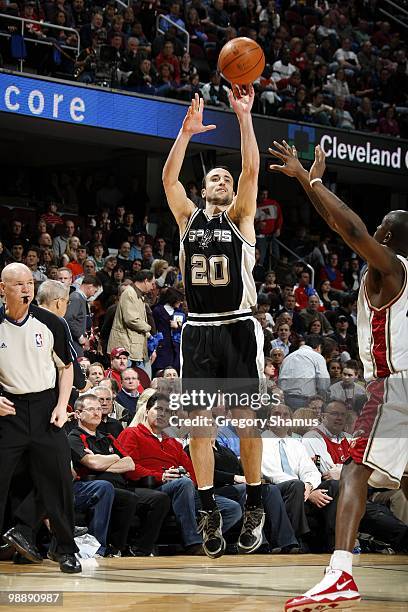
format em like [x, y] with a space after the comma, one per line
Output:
[180, 584]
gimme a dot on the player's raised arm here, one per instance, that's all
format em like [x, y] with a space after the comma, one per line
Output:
[333, 210]
[244, 205]
[181, 206]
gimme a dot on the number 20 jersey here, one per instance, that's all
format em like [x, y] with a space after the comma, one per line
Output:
[216, 263]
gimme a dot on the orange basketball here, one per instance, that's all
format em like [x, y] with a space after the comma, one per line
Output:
[241, 61]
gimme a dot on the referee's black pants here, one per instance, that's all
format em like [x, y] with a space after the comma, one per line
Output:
[49, 457]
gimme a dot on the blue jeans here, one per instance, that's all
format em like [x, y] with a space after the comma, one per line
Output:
[185, 503]
[96, 496]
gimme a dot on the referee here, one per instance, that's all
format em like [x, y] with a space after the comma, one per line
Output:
[33, 348]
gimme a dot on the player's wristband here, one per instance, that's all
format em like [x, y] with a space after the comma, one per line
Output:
[316, 180]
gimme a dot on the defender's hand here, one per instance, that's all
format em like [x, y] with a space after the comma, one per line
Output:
[287, 154]
[319, 164]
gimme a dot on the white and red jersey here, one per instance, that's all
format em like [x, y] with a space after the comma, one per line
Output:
[383, 332]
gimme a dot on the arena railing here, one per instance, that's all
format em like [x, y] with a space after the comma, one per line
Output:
[21, 21]
[402, 12]
[170, 22]
[294, 254]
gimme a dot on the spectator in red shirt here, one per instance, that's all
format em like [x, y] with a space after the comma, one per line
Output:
[332, 273]
[51, 217]
[268, 225]
[119, 363]
[167, 56]
[156, 454]
[304, 290]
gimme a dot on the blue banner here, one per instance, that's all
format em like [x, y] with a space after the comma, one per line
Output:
[81, 105]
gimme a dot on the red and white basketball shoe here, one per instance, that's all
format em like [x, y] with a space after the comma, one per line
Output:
[337, 591]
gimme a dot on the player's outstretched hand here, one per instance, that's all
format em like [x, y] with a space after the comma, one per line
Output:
[241, 99]
[319, 164]
[193, 121]
[291, 164]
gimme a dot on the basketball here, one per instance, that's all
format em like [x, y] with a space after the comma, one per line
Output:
[241, 61]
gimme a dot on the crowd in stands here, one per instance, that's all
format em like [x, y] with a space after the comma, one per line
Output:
[121, 294]
[332, 62]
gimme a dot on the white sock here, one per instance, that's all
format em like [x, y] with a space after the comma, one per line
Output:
[342, 560]
[205, 488]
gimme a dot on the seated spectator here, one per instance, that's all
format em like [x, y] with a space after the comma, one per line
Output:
[282, 341]
[277, 356]
[119, 357]
[97, 257]
[341, 117]
[195, 28]
[312, 312]
[214, 92]
[166, 56]
[108, 461]
[282, 69]
[332, 273]
[388, 124]
[60, 243]
[326, 294]
[161, 250]
[289, 304]
[303, 290]
[123, 256]
[338, 86]
[303, 373]
[108, 424]
[286, 463]
[348, 389]
[319, 112]
[174, 16]
[128, 395]
[335, 369]
[345, 341]
[263, 305]
[218, 17]
[32, 261]
[95, 373]
[161, 457]
[51, 216]
[346, 58]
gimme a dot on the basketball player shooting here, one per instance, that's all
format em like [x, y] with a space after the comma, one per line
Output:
[379, 450]
[220, 339]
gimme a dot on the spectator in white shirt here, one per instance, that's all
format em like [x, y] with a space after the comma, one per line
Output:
[285, 462]
[346, 58]
[304, 373]
[282, 69]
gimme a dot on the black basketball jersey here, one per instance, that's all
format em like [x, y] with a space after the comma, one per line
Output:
[216, 263]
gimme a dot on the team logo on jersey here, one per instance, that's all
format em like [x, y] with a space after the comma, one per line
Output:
[205, 237]
[39, 340]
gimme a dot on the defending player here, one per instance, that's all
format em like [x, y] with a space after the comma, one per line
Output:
[379, 451]
[220, 339]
